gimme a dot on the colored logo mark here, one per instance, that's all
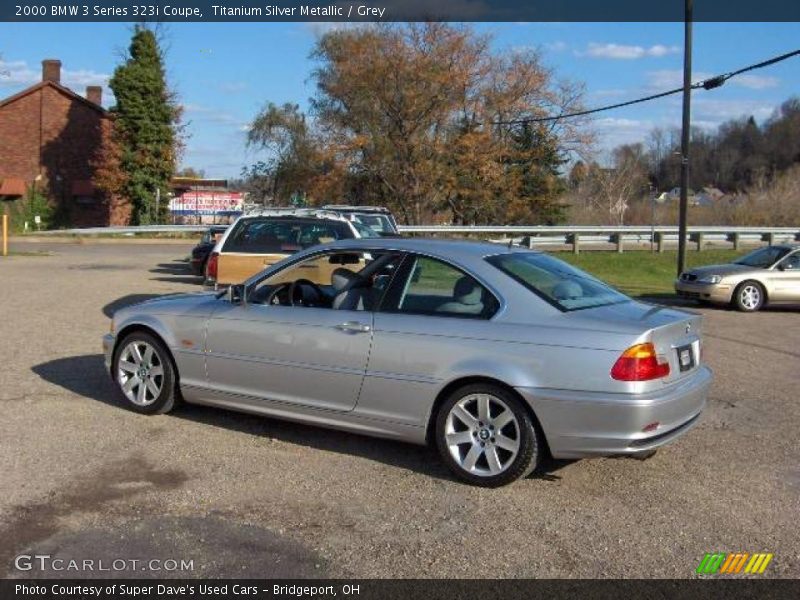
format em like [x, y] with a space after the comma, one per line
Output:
[734, 562]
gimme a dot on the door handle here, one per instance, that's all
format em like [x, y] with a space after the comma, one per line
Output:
[353, 327]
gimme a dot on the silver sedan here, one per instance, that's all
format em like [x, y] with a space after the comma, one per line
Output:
[769, 275]
[497, 356]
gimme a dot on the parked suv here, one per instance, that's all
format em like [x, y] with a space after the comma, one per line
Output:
[377, 218]
[261, 238]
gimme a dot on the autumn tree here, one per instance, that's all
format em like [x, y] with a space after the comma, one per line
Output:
[140, 160]
[410, 116]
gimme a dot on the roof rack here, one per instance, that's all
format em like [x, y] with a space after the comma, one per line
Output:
[291, 211]
[351, 208]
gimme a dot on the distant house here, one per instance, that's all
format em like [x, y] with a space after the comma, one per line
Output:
[49, 139]
[709, 196]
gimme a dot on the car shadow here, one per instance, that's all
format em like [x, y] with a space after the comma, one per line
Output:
[177, 271]
[112, 307]
[87, 377]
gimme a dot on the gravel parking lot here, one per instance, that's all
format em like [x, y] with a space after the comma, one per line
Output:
[243, 496]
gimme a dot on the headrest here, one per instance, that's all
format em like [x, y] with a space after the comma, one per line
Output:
[342, 278]
[567, 290]
[467, 291]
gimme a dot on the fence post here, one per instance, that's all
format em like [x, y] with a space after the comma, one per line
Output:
[5, 234]
[736, 240]
[771, 238]
[576, 243]
[660, 241]
[619, 243]
[699, 242]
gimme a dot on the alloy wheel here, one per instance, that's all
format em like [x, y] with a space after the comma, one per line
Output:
[482, 434]
[140, 373]
[750, 297]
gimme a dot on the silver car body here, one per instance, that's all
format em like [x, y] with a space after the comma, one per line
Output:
[382, 374]
[717, 283]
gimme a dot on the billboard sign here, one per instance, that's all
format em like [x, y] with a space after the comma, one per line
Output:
[207, 203]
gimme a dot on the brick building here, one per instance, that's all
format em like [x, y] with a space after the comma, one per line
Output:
[49, 139]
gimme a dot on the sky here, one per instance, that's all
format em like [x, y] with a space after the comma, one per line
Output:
[224, 73]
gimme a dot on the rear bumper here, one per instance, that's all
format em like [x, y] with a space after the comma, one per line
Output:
[197, 265]
[583, 424]
[720, 293]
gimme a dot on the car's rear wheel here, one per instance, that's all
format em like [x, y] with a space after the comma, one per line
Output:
[749, 296]
[486, 436]
[144, 374]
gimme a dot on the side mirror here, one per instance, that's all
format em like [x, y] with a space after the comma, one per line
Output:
[235, 294]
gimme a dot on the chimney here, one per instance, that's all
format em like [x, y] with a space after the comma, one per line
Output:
[51, 70]
[94, 93]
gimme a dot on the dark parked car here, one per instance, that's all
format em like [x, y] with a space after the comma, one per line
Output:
[201, 252]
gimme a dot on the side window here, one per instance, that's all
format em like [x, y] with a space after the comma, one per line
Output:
[434, 288]
[792, 262]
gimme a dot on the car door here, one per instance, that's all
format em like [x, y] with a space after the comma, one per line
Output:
[784, 279]
[294, 354]
[299, 355]
[433, 315]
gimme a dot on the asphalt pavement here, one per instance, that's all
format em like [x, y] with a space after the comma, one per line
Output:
[244, 496]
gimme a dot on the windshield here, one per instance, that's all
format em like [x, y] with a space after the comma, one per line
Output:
[762, 258]
[365, 231]
[379, 223]
[561, 284]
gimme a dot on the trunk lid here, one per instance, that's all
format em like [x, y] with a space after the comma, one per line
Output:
[673, 332]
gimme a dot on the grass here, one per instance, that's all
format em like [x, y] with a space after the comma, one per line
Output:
[642, 273]
[29, 253]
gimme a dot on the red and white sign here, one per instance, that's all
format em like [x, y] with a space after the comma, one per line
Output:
[207, 203]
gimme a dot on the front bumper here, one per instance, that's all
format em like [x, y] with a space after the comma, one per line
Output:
[108, 350]
[720, 293]
[583, 424]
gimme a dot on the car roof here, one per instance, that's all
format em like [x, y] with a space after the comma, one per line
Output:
[442, 247]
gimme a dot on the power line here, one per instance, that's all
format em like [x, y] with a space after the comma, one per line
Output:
[707, 84]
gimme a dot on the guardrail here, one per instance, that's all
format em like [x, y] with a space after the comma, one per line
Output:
[576, 236]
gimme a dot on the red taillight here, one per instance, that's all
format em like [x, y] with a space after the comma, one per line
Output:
[211, 266]
[639, 363]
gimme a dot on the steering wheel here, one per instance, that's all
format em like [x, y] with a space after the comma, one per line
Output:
[297, 297]
[273, 296]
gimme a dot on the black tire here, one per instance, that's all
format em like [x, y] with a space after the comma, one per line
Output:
[166, 382]
[749, 296]
[531, 442]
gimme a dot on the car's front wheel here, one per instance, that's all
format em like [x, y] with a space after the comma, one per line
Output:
[144, 374]
[486, 436]
[749, 296]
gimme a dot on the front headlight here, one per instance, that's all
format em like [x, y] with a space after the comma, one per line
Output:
[710, 279]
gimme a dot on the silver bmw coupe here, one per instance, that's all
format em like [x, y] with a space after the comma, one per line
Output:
[496, 355]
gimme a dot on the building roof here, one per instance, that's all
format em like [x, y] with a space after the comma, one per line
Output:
[57, 87]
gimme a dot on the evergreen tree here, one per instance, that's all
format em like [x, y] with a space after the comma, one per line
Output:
[146, 128]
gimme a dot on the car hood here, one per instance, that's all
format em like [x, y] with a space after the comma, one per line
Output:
[721, 270]
[171, 304]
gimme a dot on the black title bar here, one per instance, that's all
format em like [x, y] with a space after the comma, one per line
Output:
[404, 589]
[397, 10]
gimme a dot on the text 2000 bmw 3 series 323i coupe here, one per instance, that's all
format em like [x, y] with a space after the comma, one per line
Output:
[496, 355]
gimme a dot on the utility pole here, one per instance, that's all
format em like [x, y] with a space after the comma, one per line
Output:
[685, 137]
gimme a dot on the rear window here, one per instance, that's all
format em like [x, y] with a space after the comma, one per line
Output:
[283, 236]
[561, 284]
